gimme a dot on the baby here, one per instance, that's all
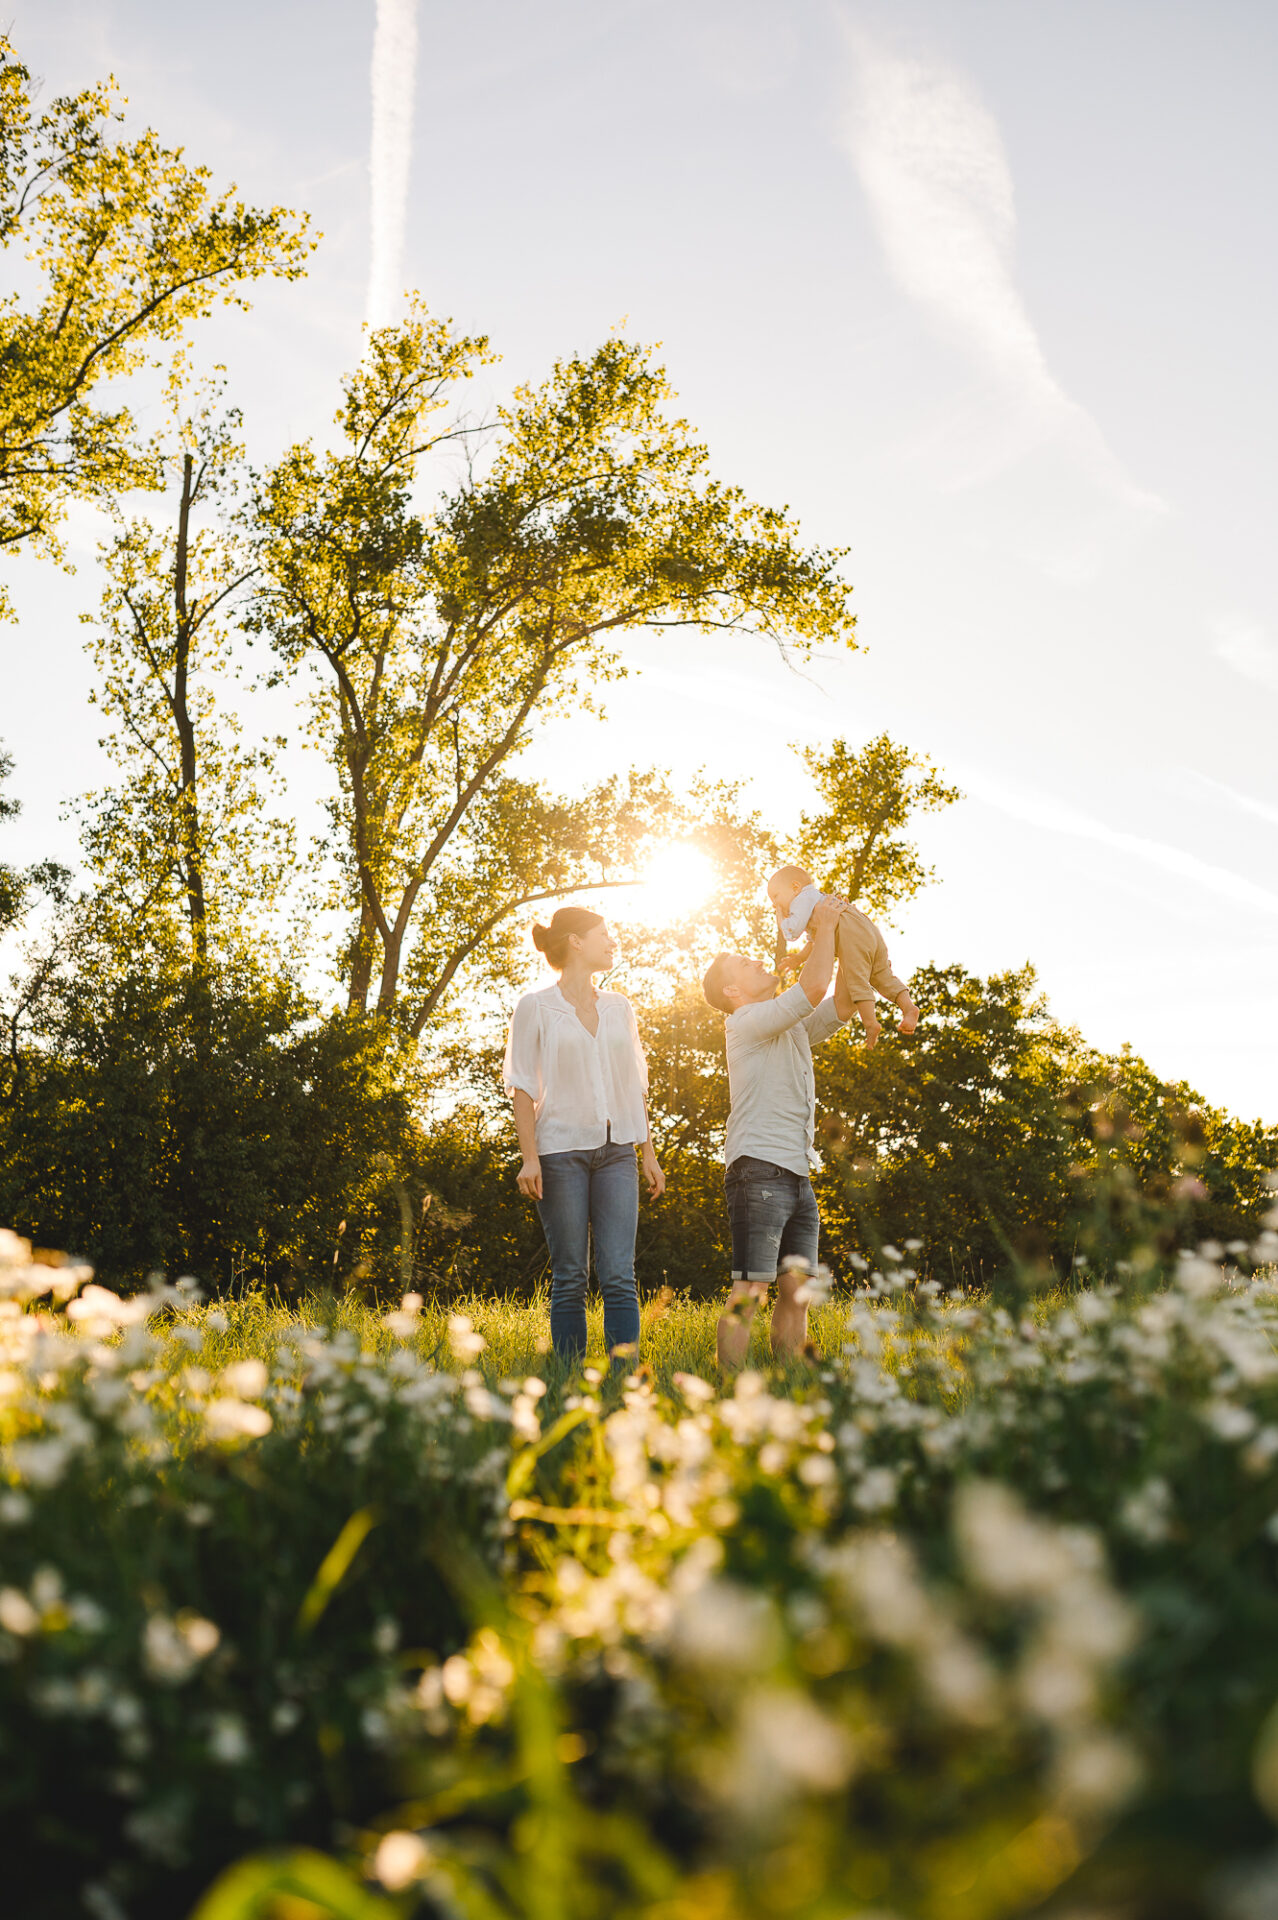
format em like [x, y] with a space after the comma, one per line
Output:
[861, 948]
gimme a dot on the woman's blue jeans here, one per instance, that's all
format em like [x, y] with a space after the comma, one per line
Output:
[591, 1197]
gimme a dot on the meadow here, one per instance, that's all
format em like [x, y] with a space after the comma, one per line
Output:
[374, 1611]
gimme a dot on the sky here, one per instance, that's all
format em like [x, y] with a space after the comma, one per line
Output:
[984, 292]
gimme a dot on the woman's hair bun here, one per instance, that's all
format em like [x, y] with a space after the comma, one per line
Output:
[566, 924]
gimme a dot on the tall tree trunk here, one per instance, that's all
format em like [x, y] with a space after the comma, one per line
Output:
[188, 798]
[362, 961]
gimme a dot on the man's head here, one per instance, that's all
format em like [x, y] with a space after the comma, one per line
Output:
[732, 981]
[784, 884]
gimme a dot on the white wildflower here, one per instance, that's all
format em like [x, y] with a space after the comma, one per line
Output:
[1095, 1772]
[17, 1615]
[98, 1311]
[783, 1745]
[462, 1338]
[876, 1490]
[245, 1379]
[407, 1320]
[1228, 1421]
[227, 1419]
[1007, 1551]
[1197, 1277]
[227, 1741]
[41, 1463]
[400, 1859]
[173, 1648]
[721, 1626]
[1147, 1513]
[1056, 1685]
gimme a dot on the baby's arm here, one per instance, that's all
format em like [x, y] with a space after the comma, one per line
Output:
[784, 960]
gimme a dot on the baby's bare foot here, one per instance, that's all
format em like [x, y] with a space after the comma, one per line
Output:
[872, 1034]
[909, 1017]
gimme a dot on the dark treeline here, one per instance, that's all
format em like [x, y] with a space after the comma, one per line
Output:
[170, 1096]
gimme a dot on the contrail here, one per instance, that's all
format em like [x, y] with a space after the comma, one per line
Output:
[936, 176]
[390, 155]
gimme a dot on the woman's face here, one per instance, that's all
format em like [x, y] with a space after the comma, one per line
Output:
[598, 949]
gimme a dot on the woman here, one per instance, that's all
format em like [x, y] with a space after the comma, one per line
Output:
[576, 1073]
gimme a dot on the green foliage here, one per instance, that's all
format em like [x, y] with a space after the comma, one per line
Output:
[1000, 1141]
[477, 1232]
[182, 832]
[976, 1614]
[20, 887]
[158, 1119]
[444, 636]
[854, 844]
[131, 245]
[194, 1667]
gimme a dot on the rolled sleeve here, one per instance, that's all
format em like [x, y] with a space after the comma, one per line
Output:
[823, 1021]
[521, 1069]
[763, 1019]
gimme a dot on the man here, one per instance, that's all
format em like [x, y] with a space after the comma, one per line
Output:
[768, 1149]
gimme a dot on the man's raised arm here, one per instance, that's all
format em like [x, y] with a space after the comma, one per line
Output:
[819, 966]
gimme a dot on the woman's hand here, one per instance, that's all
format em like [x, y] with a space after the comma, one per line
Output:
[529, 1179]
[652, 1172]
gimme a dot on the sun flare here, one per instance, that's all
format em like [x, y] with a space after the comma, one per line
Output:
[677, 881]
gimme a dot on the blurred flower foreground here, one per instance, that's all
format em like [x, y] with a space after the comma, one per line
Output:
[355, 1613]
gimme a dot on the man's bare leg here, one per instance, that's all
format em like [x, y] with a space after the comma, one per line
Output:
[789, 1317]
[732, 1336]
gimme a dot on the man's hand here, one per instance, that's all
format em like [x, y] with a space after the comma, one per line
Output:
[815, 977]
[652, 1173]
[529, 1179]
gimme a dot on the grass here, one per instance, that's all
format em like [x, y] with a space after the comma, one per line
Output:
[971, 1611]
[676, 1335]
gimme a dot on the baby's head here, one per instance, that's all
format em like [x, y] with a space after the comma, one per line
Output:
[784, 884]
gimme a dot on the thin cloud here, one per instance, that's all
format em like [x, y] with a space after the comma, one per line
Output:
[1244, 647]
[1245, 802]
[394, 74]
[935, 173]
[1054, 816]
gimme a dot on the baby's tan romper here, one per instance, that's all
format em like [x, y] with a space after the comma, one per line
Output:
[863, 955]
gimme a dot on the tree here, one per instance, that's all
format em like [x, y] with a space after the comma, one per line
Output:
[183, 829]
[203, 1121]
[21, 888]
[855, 842]
[445, 635]
[956, 1139]
[132, 245]
[999, 1142]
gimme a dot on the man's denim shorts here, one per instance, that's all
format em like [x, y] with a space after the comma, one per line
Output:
[773, 1212]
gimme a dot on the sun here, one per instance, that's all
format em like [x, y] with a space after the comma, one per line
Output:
[676, 883]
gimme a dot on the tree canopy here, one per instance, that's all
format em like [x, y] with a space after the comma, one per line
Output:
[128, 245]
[583, 511]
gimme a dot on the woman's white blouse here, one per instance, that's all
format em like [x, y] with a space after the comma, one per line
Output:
[579, 1082]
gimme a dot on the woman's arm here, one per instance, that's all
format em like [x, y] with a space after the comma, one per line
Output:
[648, 1160]
[526, 1129]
